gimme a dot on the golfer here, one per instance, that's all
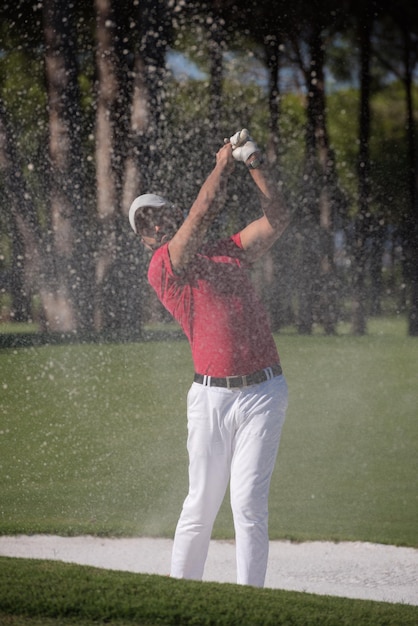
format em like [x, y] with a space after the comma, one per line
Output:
[236, 405]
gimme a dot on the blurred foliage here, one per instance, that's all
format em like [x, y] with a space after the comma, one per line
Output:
[187, 143]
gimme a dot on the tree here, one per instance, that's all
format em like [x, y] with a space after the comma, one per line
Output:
[320, 199]
[70, 305]
[23, 225]
[399, 55]
[130, 135]
[362, 221]
[87, 259]
[110, 134]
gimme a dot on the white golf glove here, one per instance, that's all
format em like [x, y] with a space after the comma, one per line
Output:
[240, 137]
[243, 146]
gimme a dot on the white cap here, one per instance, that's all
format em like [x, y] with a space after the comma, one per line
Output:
[147, 199]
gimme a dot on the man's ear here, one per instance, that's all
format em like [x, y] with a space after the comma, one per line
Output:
[137, 222]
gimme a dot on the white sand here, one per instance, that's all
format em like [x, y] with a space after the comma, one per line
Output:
[347, 569]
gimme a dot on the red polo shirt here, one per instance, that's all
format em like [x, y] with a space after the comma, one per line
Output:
[215, 303]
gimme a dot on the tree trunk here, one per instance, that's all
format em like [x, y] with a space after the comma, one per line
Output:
[272, 55]
[40, 271]
[16, 200]
[215, 80]
[362, 222]
[108, 89]
[147, 161]
[276, 263]
[318, 291]
[327, 296]
[21, 309]
[154, 37]
[70, 303]
[139, 114]
[411, 221]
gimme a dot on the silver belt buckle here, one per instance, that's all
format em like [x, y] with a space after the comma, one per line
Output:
[229, 380]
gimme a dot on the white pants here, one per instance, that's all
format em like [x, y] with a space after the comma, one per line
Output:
[233, 435]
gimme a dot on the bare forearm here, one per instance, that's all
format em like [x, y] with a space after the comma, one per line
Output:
[263, 181]
[272, 201]
[211, 196]
[207, 205]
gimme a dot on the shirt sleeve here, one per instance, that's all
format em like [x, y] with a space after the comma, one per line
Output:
[160, 271]
[162, 277]
[237, 240]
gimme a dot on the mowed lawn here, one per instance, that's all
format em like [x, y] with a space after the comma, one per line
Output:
[93, 438]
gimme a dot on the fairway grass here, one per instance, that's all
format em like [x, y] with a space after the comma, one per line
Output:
[92, 438]
[68, 594]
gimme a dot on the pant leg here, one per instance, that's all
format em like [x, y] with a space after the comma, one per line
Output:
[209, 448]
[262, 415]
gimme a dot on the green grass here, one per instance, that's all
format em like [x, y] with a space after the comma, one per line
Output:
[348, 463]
[92, 439]
[67, 594]
[91, 436]
[18, 327]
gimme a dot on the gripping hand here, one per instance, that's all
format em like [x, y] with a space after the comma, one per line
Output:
[239, 138]
[243, 145]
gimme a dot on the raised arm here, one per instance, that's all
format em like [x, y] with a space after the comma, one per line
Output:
[260, 235]
[188, 239]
